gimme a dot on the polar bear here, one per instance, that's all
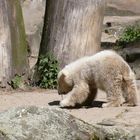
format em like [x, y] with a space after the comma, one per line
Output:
[105, 70]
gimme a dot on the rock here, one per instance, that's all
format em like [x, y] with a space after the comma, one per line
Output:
[114, 133]
[51, 123]
[136, 68]
[138, 84]
[119, 14]
[132, 56]
[115, 25]
[126, 123]
[33, 14]
[123, 8]
[35, 123]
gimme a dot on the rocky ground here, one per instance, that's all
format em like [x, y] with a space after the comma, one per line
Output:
[36, 114]
[95, 114]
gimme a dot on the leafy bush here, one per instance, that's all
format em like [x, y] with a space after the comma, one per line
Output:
[130, 34]
[48, 70]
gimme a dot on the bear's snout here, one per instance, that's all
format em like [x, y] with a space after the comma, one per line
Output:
[61, 93]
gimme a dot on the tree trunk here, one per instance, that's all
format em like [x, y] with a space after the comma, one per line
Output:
[13, 48]
[72, 28]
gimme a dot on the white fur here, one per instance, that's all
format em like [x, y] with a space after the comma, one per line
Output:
[105, 70]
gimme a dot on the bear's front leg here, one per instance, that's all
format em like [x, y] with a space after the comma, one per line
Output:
[67, 102]
[78, 95]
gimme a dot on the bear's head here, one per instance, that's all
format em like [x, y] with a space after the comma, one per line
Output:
[65, 82]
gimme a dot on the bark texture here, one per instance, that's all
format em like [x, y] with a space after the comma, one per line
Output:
[13, 48]
[72, 28]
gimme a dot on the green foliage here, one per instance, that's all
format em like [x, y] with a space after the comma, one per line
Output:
[117, 47]
[131, 34]
[16, 81]
[95, 137]
[48, 70]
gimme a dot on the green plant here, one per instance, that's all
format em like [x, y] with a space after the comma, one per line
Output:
[16, 81]
[130, 34]
[117, 47]
[48, 70]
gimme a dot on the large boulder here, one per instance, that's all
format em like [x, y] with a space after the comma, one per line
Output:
[34, 123]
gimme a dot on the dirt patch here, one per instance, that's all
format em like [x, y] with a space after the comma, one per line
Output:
[93, 114]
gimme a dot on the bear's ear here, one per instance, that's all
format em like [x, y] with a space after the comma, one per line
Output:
[64, 72]
[61, 76]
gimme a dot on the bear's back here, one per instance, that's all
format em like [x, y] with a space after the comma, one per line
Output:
[104, 61]
[107, 58]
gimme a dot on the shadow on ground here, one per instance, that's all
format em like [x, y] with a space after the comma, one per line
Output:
[94, 104]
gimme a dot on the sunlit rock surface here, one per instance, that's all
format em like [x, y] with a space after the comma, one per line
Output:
[51, 123]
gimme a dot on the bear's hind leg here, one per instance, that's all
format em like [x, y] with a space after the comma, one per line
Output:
[130, 92]
[114, 94]
[78, 95]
